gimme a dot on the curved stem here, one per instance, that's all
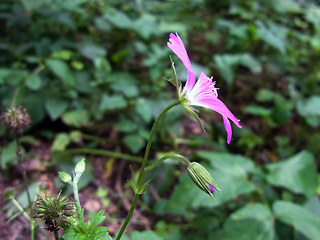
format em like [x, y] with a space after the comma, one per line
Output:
[152, 132]
[169, 156]
[125, 224]
[142, 173]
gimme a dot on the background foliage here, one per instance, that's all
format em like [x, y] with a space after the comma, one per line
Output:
[92, 71]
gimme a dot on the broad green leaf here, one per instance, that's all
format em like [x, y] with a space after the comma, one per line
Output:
[56, 107]
[91, 50]
[31, 5]
[134, 142]
[128, 88]
[113, 102]
[298, 173]
[61, 70]
[253, 221]
[60, 142]
[76, 118]
[258, 110]
[146, 26]
[309, 109]
[9, 154]
[301, 219]
[273, 34]
[4, 73]
[119, 19]
[33, 82]
[126, 126]
[145, 108]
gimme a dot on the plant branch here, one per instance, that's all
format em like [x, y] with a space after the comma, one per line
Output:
[142, 173]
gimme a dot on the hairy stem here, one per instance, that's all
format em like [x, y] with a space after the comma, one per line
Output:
[169, 156]
[142, 173]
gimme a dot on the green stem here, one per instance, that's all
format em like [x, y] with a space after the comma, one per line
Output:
[104, 153]
[15, 202]
[131, 210]
[152, 132]
[76, 197]
[169, 156]
[142, 173]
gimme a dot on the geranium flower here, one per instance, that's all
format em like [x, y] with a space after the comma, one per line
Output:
[202, 93]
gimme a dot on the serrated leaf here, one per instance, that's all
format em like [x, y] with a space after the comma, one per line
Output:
[300, 218]
[298, 173]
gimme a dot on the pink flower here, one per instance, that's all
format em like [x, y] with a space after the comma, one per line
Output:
[203, 92]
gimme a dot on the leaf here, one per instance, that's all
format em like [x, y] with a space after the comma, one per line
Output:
[119, 19]
[253, 221]
[146, 26]
[113, 102]
[33, 82]
[309, 109]
[60, 142]
[144, 108]
[9, 154]
[258, 110]
[91, 50]
[273, 34]
[301, 219]
[298, 173]
[61, 70]
[128, 88]
[230, 173]
[126, 126]
[76, 118]
[134, 142]
[56, 107]
[31, 5]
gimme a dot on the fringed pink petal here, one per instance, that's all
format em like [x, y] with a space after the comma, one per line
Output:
[176, 45]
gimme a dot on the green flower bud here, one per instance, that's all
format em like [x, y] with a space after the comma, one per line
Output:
[65, 177]
[202, 178]
[80, 167]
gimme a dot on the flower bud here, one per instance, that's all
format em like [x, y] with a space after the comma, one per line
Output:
[202, 178]
[80, 167]
[65, 177]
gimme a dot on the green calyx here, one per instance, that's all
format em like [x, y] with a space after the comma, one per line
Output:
[202, 178]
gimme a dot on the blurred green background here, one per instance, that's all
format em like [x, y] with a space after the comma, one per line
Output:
[92, 75]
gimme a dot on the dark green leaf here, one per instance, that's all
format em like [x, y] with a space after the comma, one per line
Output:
[61, 70]
[56, 107]
[298, 173]
[301, 219]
